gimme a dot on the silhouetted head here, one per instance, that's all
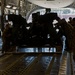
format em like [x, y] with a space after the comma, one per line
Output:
[73, 19]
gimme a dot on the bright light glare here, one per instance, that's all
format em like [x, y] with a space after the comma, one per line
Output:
[57, 30]
[55, 21]
[8, 6]
[14, 7]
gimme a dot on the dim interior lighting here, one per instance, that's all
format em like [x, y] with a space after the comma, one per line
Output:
[8, 6]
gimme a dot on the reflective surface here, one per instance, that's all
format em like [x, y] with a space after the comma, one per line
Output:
[52, 3]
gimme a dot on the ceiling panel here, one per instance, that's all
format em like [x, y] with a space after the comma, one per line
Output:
[52, 3]
[12, 2]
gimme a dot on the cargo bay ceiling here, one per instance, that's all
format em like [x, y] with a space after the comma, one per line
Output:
[46, 3]
[27, 6]
[52, 3]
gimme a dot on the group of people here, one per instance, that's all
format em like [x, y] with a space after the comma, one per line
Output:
[69, 32]
[72, 22]
[68, 29]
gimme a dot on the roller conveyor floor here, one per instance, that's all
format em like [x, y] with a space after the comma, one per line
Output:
[20, 64]
[43, 65]
[7, 60]
[56, 66]
[13, 64]
[37, 64]
[40, 66]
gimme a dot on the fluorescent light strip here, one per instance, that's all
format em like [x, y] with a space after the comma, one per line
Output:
[8, 6]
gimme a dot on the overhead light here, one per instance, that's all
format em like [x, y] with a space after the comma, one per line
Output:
[8, 6]
[49, 0]
[14, 7]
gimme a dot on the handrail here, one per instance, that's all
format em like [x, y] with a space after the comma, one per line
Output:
[66, 66]
[63, 64]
